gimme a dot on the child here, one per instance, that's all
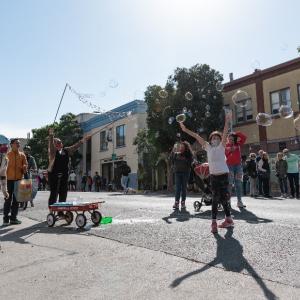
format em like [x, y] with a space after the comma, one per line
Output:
[218, 172]
[281, 173]
[181, 158]
[3, 170]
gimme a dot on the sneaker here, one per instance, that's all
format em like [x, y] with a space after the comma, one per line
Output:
[228, 222]
[240, 204]
[5, 224]
[15, 222]
[214, 227]
[183, 205]
[176, 205]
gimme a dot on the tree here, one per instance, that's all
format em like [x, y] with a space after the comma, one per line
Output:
[68, 130]
[202, 107]
[202, 83]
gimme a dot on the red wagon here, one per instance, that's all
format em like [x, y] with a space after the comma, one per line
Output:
[64, 210]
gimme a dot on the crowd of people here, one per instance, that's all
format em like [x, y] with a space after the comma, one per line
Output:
[231, 172]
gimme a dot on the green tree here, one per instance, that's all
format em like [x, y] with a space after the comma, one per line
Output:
[202, 82]
[67, 129]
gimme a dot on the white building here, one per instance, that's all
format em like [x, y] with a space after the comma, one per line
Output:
[112, 141]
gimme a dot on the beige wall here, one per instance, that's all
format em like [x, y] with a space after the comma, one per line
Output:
[133, 124]
[282, 128]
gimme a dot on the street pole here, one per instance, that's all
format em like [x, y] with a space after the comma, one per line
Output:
[62, 96]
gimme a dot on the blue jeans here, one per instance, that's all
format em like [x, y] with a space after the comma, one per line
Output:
[236, 177]
[181, 179]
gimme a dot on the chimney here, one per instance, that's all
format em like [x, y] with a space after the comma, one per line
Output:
[230, 76]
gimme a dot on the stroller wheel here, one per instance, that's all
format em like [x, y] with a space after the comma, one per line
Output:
[197, 205]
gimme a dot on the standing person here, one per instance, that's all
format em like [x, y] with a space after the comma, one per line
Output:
[58, 168]
[281, 173]
[125, 170]
[83, 182]
[292, 172]
[233, 159]
[252, 173]
[97, 182]
[31, 170]
[218, 172]
[245, 175]
[72, 181]
[16, 168]
[90, 182]
[265, 171]
[259, 178]
[3, 170]
[44, 182]
[181, 159]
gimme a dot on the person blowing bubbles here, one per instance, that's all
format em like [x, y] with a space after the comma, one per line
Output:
[215, 148]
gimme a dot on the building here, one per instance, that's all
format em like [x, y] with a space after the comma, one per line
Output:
[268, 89]
[112, 141]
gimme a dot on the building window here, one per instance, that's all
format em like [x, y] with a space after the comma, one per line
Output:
[120, 136]
[103, 141]
[278, 98]
[244, 114]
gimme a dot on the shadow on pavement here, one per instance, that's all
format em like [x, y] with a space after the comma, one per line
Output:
[243, 214]
[20, 236]
[230, 255]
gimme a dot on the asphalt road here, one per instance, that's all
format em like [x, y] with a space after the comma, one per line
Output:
[150, 251]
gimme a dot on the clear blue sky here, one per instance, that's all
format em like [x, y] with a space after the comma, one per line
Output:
[46, 43]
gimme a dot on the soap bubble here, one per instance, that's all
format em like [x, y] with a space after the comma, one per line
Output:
[163, 94]
[166, 109]
[207, 114]
[156, 134]
[184, 110]
[219, 86]
[297, 123]
[157, 106]
[240, 98]
[188, 96]
[200, 130]
[171, 120]
[263, 119]
[113, 83]
[203, 96]
[215, 97]
[181, 118]
[207, 107]
[189, 113]
[285, 111]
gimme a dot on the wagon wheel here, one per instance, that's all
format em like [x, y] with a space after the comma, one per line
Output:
[50, 220]
[197, 205]
[96, 217]
[69, 217]
[80, 220]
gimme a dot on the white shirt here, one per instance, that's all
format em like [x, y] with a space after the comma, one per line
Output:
[216, 159]
[72, 177]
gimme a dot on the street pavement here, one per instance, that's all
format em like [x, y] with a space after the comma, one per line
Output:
[148, 251]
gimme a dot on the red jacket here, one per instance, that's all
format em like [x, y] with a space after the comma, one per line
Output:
[233, 151]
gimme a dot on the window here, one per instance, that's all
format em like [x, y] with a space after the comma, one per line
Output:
[120, 136]
[103, 141]
[278, 98]
[244, 114]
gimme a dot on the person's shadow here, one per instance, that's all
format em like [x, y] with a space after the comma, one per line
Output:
[230, 255]
[180, 216]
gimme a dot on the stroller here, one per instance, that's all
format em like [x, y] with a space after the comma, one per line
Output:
[202, 180]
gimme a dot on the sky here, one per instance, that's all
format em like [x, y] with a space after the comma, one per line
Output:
[114, 49]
